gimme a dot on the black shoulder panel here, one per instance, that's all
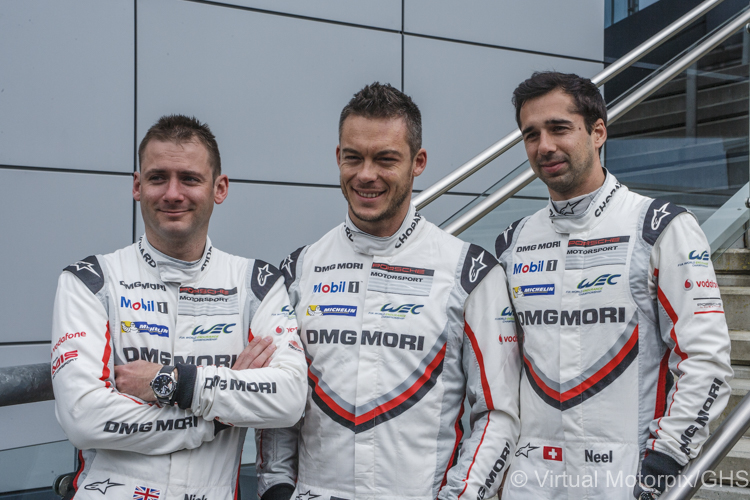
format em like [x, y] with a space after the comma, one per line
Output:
[89, 272]
[477, 264]
[288, 267]
[505, 238]
[263, 278]
[658, 216]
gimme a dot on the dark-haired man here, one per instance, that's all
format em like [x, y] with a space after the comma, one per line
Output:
[625, 346]
[152, 343]
[399, 321]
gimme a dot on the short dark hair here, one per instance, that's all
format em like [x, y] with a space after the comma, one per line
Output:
[586, 97]
[383, 101]
[179, 129]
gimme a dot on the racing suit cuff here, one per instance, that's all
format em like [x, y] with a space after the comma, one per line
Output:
[656, 470]
[186, 375]
[281, 491]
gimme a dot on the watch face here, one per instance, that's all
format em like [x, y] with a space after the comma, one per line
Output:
[163, 385]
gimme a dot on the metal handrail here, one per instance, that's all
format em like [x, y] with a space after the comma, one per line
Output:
[25, 384]
[714, 450]
[430, 194]
[481, 209]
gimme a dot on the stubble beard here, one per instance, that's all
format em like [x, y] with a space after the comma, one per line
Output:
[391, 210]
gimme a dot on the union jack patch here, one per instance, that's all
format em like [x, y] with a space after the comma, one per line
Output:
[143, 493]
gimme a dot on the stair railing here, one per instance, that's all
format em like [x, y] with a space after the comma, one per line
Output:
[723, 439]
[430, 194]
[623, 105]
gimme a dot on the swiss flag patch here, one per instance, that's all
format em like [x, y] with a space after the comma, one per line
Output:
[553, 453]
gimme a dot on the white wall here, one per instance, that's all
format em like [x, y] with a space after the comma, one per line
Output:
[82, 80]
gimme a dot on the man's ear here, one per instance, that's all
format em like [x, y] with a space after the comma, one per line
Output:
[221, 189]
[137, 186]
[419, 162]
[599, 133]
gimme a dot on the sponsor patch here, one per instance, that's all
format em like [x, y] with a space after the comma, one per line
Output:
[63, 360]
[212, 332]
[696, 258]
[402, 280]
[397, 311]
[67, 336]
[538, 266]
[506, 316]
[144, 327]
[588, 286]
[207, 301]
[583, 254]
[331, 310]
[533, 290]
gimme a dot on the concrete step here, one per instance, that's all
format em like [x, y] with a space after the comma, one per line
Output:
[732, 279]
[740, 387]
[735, 466]
[734, 261]
[740, 351]
[722, 492]
[736, 306]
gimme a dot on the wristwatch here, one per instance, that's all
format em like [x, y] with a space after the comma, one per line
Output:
[164, 385]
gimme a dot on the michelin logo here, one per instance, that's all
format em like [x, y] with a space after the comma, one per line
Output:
[533, 290]
[315, 310]
[143, 327]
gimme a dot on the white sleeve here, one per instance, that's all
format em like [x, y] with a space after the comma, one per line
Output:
[492, 365]
[693, 326]
[90, 410]
[265, 397]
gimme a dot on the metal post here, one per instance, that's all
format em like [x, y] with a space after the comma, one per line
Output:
[691, 101]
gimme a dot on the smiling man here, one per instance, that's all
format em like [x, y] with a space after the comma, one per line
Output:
[625, 346]
[166, 350]
[399, 321]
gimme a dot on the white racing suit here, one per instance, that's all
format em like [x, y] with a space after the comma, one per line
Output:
[625, 345]
[136, 304]
[396, 330]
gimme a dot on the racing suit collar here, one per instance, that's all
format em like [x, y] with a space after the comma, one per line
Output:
[610, 193]
[375, 245]
[172, 270]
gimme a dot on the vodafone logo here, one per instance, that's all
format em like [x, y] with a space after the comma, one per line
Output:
[707, 284]
[279, 329]
[67, 336]
[688, 285]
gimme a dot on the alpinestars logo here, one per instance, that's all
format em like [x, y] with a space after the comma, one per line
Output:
[659, 216]
[263, 274]
[524, 450]
[286, 265]
[101, 486]
[568, 209]
[477, 265]
[505, 233]
[306, 496]
[87, 266]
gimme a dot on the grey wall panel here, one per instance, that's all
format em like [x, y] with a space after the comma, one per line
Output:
[269, 222]
[17, 355]
[29, 424]
[53, 219]
[385, 14]
[66, 97]
[270, 87]
[35, 467]
[464, 94]
[564, 28]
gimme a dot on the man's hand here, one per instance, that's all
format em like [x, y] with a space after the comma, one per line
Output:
[257, 354]
[135, 379]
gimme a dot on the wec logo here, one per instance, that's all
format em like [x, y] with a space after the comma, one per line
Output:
[694, 255]
[604, 279]
[214, 330]
[403, 309]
